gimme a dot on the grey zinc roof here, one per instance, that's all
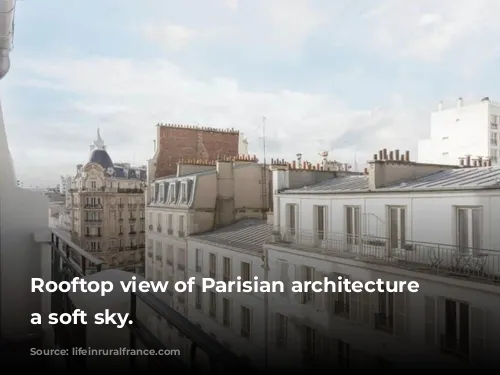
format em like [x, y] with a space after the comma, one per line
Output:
[102, 158]
[246, 234]
[451, 179]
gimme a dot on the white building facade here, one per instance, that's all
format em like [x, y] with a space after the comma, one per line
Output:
[403, 221]
[462, 130]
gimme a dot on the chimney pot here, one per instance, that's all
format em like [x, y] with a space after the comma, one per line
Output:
[366, 170]
[461, 161]
[384, 151]
[391, 155]
[381, 155]
[402, 157]
[293, 164]
[396, 157]
[407, 155]
[440, 106]
[460, 102]
[375, 157]
[467, 161]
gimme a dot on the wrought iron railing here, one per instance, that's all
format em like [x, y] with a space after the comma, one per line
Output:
[447, 260]
[70, 261]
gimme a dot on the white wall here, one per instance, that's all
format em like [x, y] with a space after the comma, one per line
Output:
[458, 131]
[431, 217]
[410, 344]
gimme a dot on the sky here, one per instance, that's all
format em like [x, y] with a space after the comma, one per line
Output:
[344, 76]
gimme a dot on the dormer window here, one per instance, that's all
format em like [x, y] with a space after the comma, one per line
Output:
[184, 195]
[156, 191]
[165, 191]
[162, 192]
[172, 193]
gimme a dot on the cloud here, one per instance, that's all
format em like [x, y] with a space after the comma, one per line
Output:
[172, 36]
[126, 98]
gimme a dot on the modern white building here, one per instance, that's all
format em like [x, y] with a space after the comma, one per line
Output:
[460, 130]
[434, 224]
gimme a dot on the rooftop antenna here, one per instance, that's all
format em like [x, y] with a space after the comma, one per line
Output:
[264, 183]
[355, 162]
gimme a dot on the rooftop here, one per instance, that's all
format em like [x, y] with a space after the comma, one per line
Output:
[248, 235]
[451, 179]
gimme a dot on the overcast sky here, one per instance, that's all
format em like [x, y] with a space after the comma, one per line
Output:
[347, 76]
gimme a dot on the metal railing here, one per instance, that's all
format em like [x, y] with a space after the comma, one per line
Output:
[447, 260]
[70, 261]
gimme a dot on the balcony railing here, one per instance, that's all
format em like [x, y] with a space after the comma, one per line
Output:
[446, 260]
[70, 261]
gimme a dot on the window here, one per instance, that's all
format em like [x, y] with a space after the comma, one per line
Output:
[493, 139]
[184, 196]
[283, 267]
[226, 269]
[172, 193]
[353, 224]
[455, 339]
[212, 265]
[281, 330]
[309, 344]
[469, 229]
[245, 271]
[181, 261]
[320, 222]
[198, 260]
[212, 311]
[226, 312]
[170, 220]
[246, 321]
[344, 354]
[341, 300]
[308, 276]
[170, 255]
[397, 227]
[198, 297]
[385, 317]
[181, 226]
[292, 218]
[162, 191]
[93, 184]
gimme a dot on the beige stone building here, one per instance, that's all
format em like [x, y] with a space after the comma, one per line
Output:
[106, 210]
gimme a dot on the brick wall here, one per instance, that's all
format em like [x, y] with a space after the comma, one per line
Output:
[177, 142]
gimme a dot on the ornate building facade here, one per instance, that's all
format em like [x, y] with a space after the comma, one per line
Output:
[106, 209]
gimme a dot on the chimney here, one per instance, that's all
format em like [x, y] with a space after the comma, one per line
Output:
[384, 151]
[380, 155]
[479, 161]
[461, 161]
[467, 161]
[366, 171]
[391, 174]
[486, 161]
[440, 106]
[460, 102]
[397, 155]
[375, 156]
[391, 155]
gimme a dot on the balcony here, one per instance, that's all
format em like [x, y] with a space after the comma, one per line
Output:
[480, 265]
[70, 261]
[132, 206]
[93, 206]
[132, 219]
[93, 235]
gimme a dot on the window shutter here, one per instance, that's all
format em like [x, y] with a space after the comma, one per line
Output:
[298, 277]
[330, 296]
[283, 267]
[430, 320]
[400, 314]
[319, 297]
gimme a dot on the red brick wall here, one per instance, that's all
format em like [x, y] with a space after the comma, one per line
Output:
[177, 142]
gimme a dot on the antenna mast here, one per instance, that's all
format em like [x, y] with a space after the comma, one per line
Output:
[264, 182]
